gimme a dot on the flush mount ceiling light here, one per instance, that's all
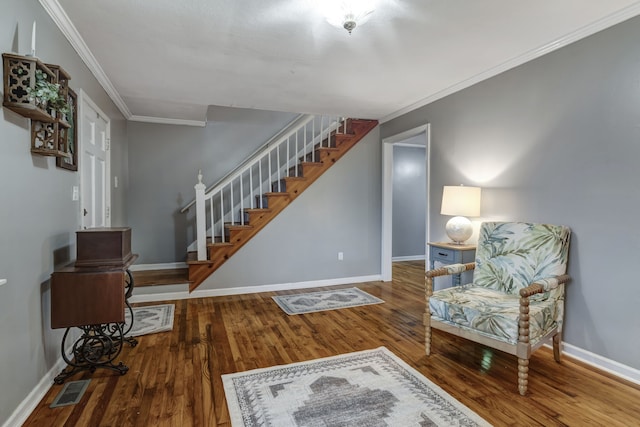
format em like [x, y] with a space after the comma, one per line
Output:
[347, 14]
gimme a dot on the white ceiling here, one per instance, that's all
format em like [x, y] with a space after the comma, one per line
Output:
[170, 59]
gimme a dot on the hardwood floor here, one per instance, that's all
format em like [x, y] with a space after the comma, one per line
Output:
[174, 377]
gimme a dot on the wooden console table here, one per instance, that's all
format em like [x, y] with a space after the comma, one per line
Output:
[93, 299]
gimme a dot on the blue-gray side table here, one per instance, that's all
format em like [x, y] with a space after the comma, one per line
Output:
[451, 253]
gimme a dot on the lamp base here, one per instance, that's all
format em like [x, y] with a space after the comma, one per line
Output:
[459, 229]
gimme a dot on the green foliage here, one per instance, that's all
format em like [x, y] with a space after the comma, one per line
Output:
[47, 93]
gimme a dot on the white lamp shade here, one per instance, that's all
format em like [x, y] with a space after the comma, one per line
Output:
[460, 201]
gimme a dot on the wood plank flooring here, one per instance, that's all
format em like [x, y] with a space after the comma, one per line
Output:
[174, 377]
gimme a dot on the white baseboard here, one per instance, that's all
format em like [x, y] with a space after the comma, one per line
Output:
[29, 404]
[205, 293]
[611, 366]
[163, 266]
[286, 286]
[409, 258]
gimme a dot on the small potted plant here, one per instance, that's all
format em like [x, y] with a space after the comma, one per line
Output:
[47, 95]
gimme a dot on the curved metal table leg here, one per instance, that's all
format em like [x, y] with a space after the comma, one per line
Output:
[97, 347]
[128, 287]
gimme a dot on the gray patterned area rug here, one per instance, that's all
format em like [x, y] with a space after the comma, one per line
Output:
[149, 320]
[324, 300]
[368, 388]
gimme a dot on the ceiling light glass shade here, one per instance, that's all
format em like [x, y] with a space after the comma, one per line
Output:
[462, 202]
[347, 14]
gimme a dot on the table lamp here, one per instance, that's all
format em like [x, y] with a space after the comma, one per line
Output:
[462, 202]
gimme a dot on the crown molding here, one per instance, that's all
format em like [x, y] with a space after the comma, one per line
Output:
[599, 25]
[167, 121]
[60, 17]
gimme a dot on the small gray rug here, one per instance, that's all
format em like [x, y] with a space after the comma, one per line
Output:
[149, 320]
[324, 300]
[364, 389]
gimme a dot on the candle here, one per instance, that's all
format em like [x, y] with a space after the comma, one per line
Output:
[33, 40]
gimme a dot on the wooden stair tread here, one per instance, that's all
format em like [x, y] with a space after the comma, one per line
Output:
[173, 276]
[276, 194]
[203, 262]
[219, 245]
[257, 210]
[238, 226]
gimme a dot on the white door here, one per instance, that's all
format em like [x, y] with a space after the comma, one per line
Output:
[93, 164]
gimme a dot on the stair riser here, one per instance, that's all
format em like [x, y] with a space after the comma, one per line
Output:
[296, 171]
[279, 186]
[261, 203]
[254, 217]
[320, 155]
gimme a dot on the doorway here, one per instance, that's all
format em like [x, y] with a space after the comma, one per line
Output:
[421, 133]
[94, 164]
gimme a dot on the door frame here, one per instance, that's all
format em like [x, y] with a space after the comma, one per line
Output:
[387, 192]
[82, 99]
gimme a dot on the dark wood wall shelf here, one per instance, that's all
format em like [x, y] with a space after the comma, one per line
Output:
[50, 129]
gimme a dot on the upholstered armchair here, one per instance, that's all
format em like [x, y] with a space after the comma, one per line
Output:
[515, 302]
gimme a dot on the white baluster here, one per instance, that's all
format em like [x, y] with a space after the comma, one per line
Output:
[269, 189]
[304, 147]
[231, 204]
[201, 222]
[278, 168]
[222, 214]
[251, 200]
[260, 184]
[241, 202]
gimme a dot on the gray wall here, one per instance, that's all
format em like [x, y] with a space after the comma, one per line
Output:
[38, 219]
[557, 140]
[164, 162]
[409, 201]
[340, 212]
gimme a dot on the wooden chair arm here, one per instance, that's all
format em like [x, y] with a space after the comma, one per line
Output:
[544, 285]
[448, 270]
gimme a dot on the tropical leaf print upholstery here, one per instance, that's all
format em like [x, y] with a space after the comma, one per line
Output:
[512, 255]
[509, 257]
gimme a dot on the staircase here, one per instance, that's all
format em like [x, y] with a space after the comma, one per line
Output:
[284, 182]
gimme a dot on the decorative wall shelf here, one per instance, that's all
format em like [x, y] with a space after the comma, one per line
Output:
[50, 129]
[49, 139]
[19, 77]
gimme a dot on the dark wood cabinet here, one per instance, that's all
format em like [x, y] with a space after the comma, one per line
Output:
[92, 294]
[101, 247]
[86, 298]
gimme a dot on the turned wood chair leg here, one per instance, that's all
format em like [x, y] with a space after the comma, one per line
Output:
[557, 346]
[523, 375]
[428, 285]
[427, 334]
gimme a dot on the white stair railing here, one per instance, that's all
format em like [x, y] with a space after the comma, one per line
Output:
[261, 174]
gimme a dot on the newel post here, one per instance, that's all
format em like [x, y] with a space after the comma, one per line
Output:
[201, 222]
